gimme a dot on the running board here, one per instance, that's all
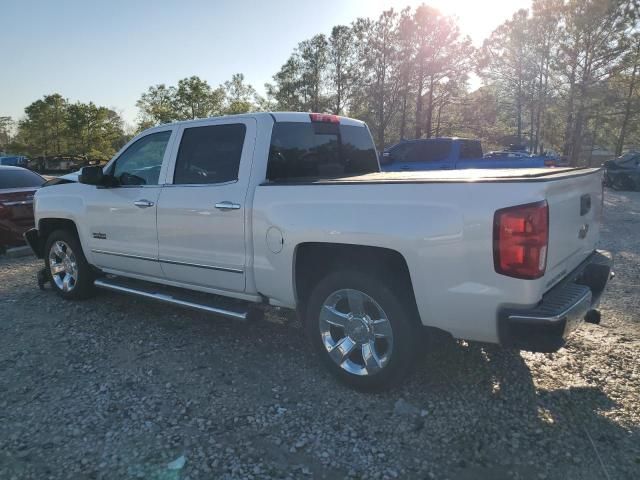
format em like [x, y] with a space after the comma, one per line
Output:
[179, 296]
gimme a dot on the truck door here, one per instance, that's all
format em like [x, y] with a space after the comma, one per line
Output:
[202, 210]
[469, 154]
[122, 219]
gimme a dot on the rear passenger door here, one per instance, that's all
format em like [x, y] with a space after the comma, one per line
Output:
[201, 210]
[470, 155]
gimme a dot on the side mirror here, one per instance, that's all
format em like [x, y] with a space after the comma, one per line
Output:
[91, 176]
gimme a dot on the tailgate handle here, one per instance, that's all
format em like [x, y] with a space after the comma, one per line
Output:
[585, 204]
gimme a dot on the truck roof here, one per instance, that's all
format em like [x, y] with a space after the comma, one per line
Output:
[275, 116]
[11, 167]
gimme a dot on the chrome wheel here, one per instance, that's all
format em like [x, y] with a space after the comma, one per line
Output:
[63, 266]
[356, 332]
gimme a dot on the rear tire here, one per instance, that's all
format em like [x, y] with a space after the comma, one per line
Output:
[362, 330]
[70, 274]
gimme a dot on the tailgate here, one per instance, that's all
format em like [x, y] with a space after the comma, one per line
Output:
[575, 213]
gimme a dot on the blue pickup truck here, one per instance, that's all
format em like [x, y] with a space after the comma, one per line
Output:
[13, 161]
[445, 153]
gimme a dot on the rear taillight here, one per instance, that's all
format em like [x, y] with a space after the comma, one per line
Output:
[324, 118]
[520, 239]
[549, 163]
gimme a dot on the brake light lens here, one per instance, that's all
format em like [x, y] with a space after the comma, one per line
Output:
[324, 118]
[520, 240]
[549, 163]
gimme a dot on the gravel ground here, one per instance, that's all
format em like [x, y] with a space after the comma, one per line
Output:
[116, 387]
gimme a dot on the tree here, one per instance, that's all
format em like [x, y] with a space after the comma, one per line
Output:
[6, 132]
[287, 88]
[594, 36]
[342, 66]
[194, 98]
[380, 93]
[157, 106]
[239, 96]
[441, 56]
[506, 59]
[313, 63]
[631, 65]
[301, 83]
[94, 132]
[43, 128]
[54, 127]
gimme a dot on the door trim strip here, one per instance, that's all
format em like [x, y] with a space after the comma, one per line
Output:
[126, 255]
[171, 262]
[198, 265]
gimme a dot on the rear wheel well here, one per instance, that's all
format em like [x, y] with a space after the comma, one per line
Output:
[313, 261]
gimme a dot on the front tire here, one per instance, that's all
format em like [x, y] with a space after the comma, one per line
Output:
[70, 274]
[362, 330]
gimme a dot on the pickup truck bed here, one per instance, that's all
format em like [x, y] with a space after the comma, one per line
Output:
[451, 176]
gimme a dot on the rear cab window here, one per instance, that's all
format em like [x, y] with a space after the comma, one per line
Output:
[301, 150]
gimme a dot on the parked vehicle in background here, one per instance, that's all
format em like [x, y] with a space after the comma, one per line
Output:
[444, 153]
[13, 161]
[623, 173]
[290, 209]
[17, 187]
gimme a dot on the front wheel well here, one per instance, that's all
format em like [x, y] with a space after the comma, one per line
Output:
[46, 226]
[313, 261]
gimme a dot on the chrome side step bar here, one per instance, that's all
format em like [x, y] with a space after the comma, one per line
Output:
[172, 295]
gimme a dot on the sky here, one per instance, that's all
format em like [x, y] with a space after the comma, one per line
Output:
[110, 52]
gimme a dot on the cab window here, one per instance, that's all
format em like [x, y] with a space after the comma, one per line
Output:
[210, 154]
[140, 164]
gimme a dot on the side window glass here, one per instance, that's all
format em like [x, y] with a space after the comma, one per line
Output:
[470, 150]
[433, 151]
[209, 154]
[140, 164]
[401, 153]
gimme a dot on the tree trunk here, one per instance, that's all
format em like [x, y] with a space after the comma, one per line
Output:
[566, 150]
[419, 103]
[381, 111]
[430, 109]
[627, 111]
[438, 119]
[403, 115]
[532, 120]
[519, 112]
[576, 137]
[542, 97]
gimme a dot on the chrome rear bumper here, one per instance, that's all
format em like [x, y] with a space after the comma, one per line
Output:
[545, 327]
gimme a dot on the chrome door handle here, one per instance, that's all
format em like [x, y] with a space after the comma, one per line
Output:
[227, 206]
[143, 203]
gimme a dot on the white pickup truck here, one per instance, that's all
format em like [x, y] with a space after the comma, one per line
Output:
[233, 213]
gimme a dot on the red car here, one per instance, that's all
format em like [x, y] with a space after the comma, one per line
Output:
[17, 186]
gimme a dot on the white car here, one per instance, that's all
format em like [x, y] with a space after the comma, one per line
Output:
[232, 213]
